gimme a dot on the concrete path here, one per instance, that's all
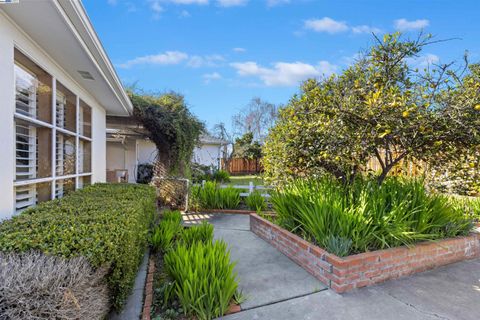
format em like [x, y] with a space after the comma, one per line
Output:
[450, 292]
[266, 276]
[134, 305]
[280, 290]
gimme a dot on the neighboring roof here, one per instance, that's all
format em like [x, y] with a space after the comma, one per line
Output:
[129, 127]
[208, 139]
[64, 31]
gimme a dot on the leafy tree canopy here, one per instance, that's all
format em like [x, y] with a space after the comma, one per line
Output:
[245, 147]
[171, 126]
[382, 106]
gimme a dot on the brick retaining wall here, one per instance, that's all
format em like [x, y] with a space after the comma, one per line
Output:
[364, 269]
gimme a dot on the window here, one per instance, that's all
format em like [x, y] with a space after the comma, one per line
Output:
[52, 136]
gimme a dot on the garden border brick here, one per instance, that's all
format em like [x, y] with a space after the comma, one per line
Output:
[147, 302]
[365, 269]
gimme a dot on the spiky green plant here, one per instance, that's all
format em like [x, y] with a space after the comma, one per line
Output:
[228, 198]
[174, 215]
[399, 212]
[256, 202]
[205, 281]
[200, 233]
[163, 236]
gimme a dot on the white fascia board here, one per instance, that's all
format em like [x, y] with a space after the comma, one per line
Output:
[82, 29]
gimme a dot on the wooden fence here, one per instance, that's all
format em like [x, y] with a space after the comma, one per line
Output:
[238, 166]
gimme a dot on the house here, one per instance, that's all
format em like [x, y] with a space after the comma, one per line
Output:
[127, 149]
[57, 87]
[210, 151]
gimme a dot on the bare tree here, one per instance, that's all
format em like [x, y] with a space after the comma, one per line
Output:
[220, 131]
[257, 117]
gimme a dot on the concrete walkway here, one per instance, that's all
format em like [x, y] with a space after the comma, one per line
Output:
[266, 276]
[280, 290]
[451, 292]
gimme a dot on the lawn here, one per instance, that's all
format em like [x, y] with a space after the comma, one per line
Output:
[245, 180]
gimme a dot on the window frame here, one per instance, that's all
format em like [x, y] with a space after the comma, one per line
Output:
[55, 129]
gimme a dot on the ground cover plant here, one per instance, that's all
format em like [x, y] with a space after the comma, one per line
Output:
[106, 224]
[365, 216]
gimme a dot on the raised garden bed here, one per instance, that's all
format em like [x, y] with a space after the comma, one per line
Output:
[365, 269]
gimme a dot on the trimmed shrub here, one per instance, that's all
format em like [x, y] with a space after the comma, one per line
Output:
[256, 202]
[201, 233]
[205, 282]
[36, 286]
[105, 223]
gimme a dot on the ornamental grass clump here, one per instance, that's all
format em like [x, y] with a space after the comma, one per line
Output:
[211, 196]
[200, 233]
[174, 215]
[469, 205]
[205, 281]
[165, 233]
[366, 216]
[256, 202]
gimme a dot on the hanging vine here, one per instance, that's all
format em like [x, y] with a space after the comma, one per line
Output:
[169, 124]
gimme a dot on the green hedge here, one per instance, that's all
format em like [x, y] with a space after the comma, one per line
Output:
[106, 223]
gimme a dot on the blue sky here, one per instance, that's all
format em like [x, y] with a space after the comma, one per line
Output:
[221, 53]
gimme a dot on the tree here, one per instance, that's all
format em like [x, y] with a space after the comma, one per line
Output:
[245, 147]
[382, 107]
[220, 131]
[168, 123]
[257, 117]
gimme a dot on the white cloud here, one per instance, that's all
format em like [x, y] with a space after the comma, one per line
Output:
[406, 25]
[209, 77]
[365, 29]
[167, 58]
[187, 1]
[239, 50]
[156, 7]
[273, 3]
[205, 61]
[185, 14]
[231, 3]
[284, 73]
[425, 60]
[326, 24]
[112, 2]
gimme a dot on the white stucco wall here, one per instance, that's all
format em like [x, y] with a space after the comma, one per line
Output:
[121, 156]
[207, 155]
[10, 37]
[7, 107]
[147, 152]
